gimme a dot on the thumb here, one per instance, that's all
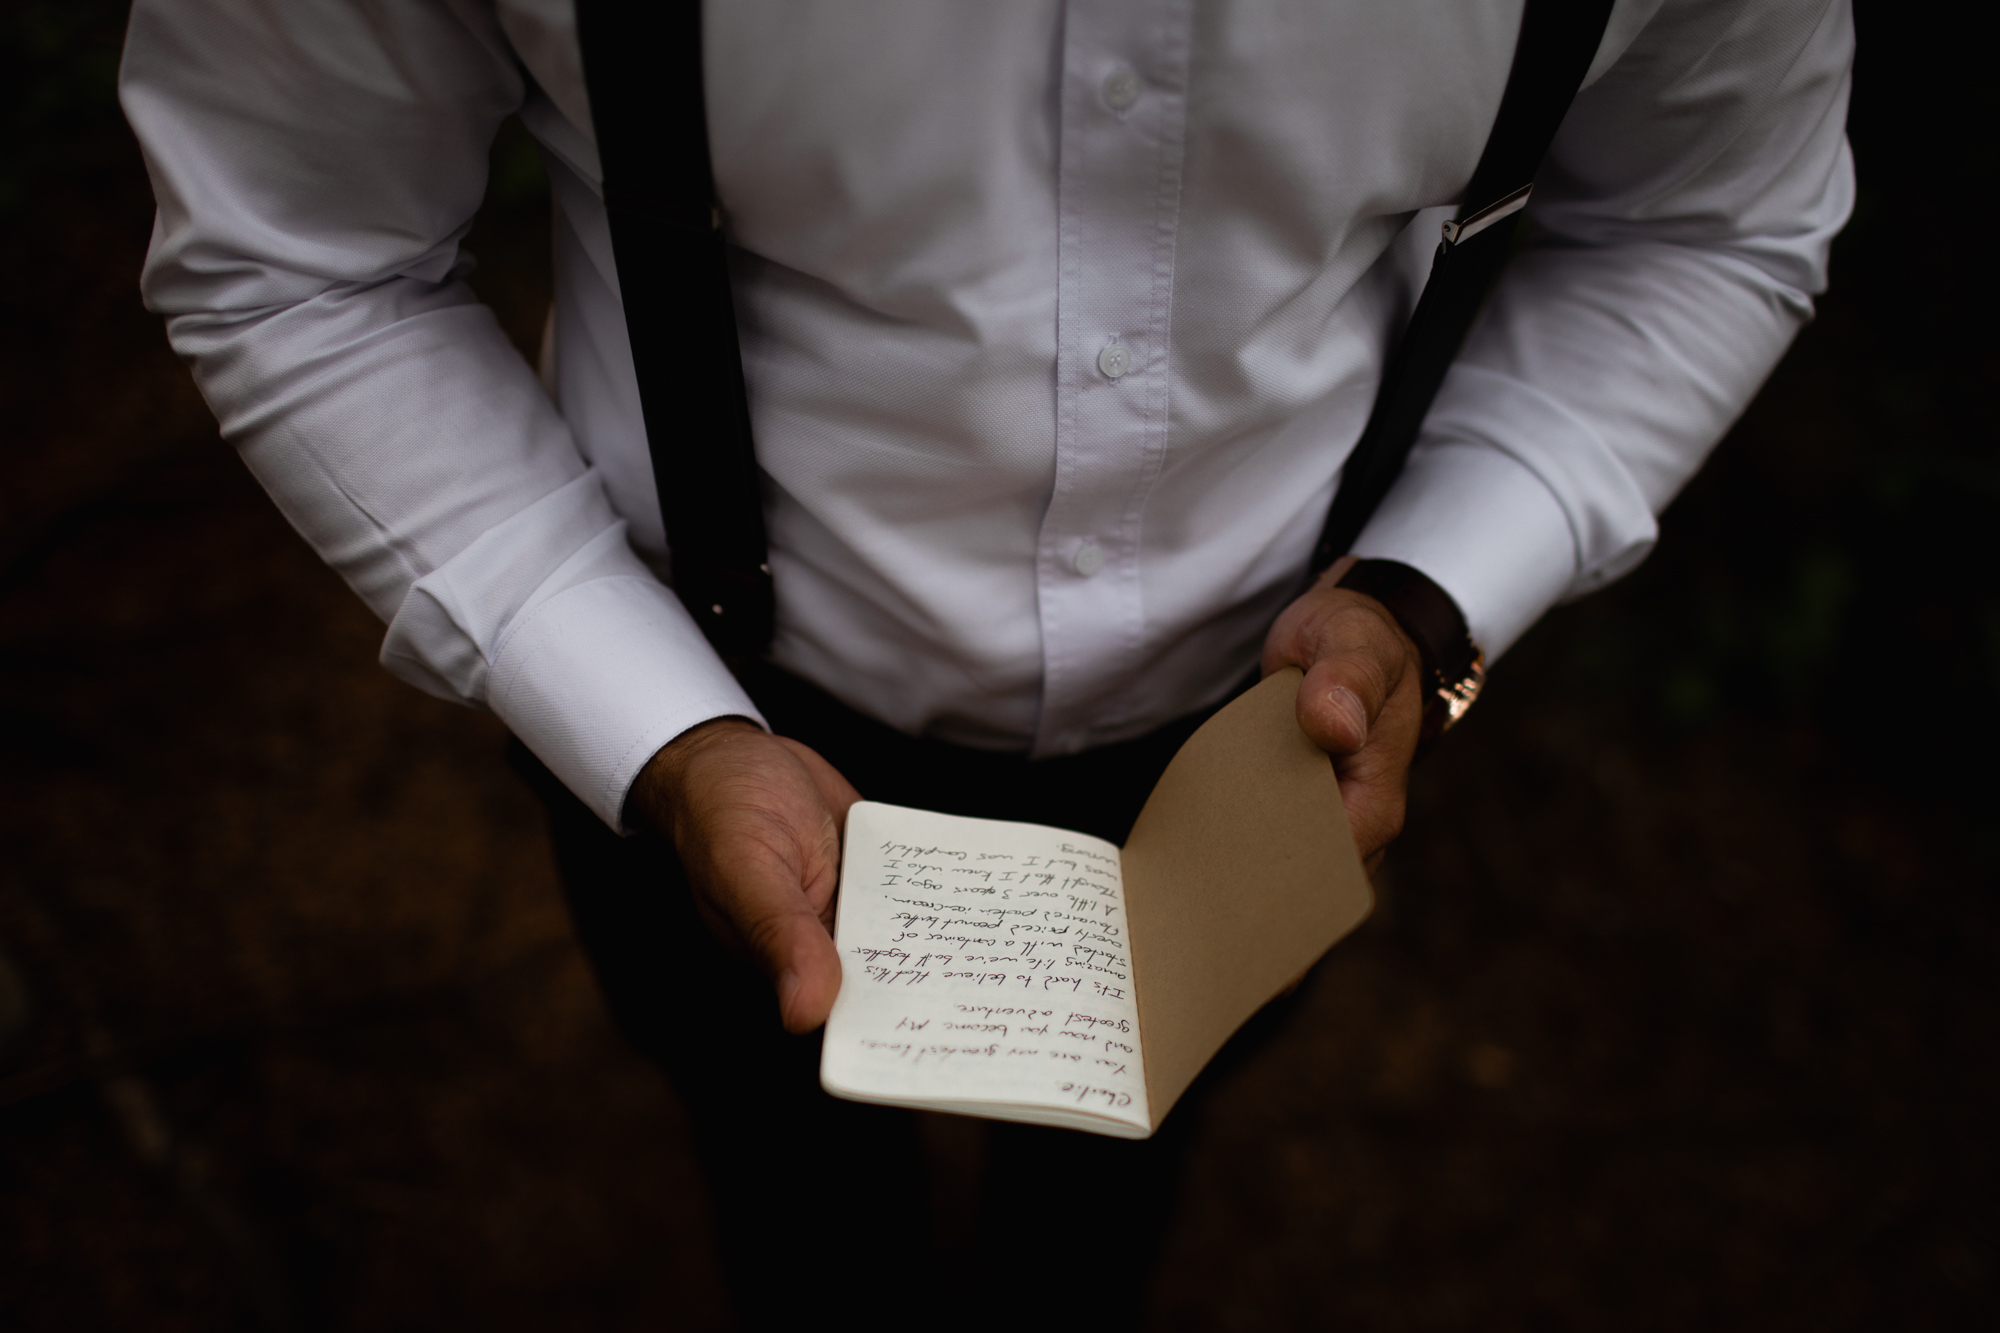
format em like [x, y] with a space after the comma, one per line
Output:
[1343, 693]
[799, 956]
[757, 825]
[759, 902]
[760, 841]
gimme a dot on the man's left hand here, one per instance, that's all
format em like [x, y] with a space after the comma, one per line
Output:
[1361, 700]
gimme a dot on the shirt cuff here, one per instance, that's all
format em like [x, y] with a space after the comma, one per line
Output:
[1485, 529]
[1509, 503]
[600, 676]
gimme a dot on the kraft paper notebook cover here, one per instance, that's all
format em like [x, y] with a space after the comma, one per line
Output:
[1030, 973]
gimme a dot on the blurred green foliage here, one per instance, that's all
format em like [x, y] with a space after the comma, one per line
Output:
[515, 180]
[1831, 566]
[510, 238]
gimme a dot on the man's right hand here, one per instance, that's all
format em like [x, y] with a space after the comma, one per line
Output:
[756, 820]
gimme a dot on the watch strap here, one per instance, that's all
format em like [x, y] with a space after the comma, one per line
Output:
[1454, 668]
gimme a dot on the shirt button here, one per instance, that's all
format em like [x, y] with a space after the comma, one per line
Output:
[1089, 559]
[1115, 360]
[1121, 88]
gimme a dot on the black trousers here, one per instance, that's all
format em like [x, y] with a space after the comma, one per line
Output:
[814, 1195]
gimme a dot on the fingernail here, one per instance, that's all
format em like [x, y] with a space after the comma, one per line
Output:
[788, 986]
[1353, 716]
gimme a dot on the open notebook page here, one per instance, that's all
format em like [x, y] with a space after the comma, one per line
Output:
[985, 970]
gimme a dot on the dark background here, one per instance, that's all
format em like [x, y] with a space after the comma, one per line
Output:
[1678, 1011]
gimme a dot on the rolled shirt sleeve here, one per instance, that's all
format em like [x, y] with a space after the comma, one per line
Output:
[316, 165]
[1681, 228]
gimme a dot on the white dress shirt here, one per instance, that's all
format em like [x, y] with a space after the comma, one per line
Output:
[1058, 321]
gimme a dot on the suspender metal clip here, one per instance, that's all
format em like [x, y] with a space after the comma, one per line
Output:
[1456, 233]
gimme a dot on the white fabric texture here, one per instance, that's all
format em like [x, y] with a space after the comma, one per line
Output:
[942, 215]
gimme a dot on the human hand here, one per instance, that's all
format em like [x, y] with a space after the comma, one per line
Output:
[1361, 700]
[756, 820]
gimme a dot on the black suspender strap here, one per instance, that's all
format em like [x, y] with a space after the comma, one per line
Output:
[643, 66]
[1558, 40]
[642, 63]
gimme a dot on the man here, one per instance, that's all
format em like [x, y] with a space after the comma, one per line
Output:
[1058, 321]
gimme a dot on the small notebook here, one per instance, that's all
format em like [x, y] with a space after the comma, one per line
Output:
[1029, 973]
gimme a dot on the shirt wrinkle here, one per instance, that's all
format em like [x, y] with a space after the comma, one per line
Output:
[1059, 320]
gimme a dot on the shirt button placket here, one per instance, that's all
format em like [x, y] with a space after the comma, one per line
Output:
[1119, 158]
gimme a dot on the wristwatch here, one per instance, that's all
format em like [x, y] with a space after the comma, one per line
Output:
[1454, 668]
